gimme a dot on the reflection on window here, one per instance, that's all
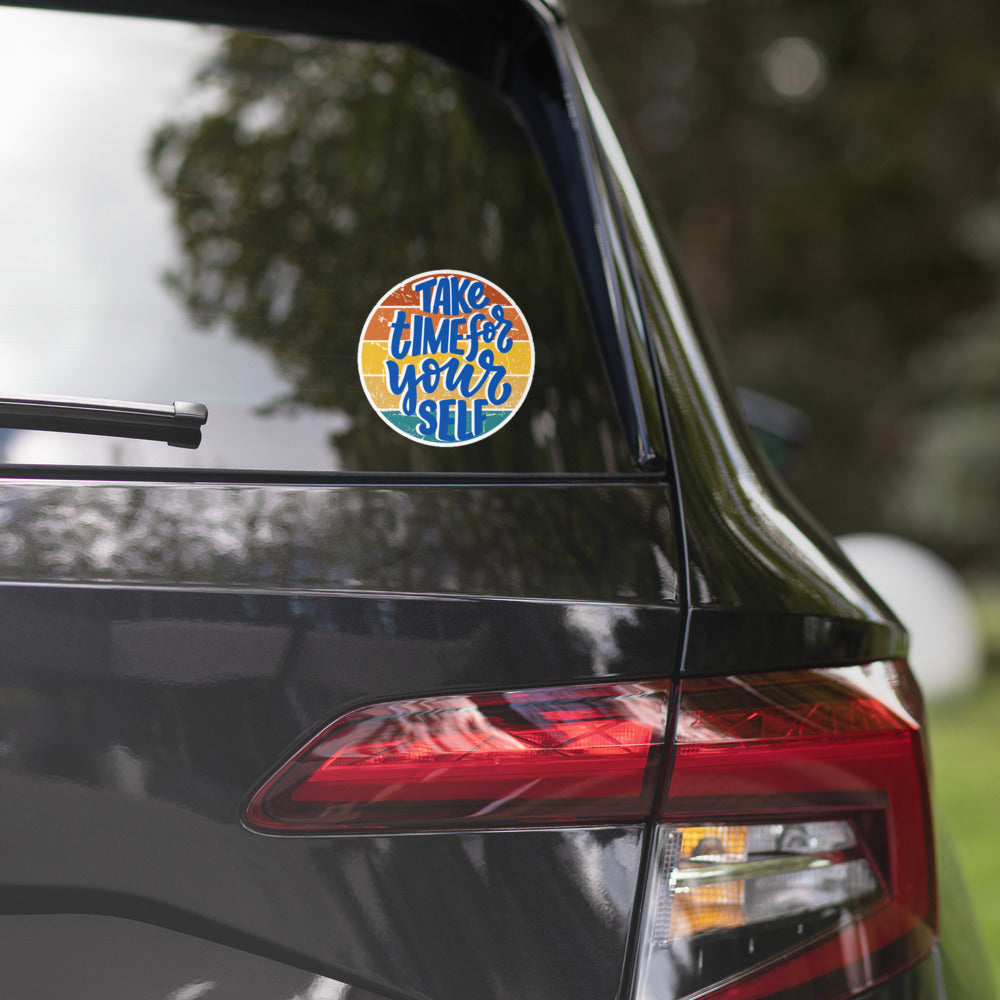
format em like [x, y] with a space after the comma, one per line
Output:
[202, 214]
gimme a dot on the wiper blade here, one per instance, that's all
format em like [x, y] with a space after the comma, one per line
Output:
[178, 424]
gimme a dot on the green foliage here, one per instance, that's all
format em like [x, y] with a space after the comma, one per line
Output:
[949, 487]
[986, 598]
[830, 174]
[966, 783]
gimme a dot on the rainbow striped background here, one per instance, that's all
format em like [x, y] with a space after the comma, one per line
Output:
[374, 350]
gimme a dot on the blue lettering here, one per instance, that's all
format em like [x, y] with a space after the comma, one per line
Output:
[473, 337]
[497, 391]
[503, 328]
[460, 379]
[398, 347]
[417, 339]
[476, 296]
[450, 419]
[403, 383]
[442, 298]
[446, 423]
[461, 419]
[435, 341]
[481, 329]
[425, 288]
[459, 287]
[428, 418]
[455, 336]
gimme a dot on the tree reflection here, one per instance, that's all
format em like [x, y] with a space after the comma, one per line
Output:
[478, 540]
[322, 174]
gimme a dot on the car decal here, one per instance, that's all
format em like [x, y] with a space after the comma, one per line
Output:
[446, 358]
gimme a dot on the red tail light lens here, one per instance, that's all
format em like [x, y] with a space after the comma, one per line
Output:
[795, 853]
[581, 754]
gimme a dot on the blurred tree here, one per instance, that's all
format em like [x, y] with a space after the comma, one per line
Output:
[829, 171]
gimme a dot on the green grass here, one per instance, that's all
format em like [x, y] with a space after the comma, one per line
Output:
[965, 761]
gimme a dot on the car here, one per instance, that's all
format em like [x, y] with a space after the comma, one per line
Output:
[394, 604]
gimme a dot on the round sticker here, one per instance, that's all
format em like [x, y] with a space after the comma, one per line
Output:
[446, 358]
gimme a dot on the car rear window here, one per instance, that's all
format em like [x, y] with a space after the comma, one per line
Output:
[202, 214]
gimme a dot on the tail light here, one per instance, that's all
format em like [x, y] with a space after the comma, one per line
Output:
[794, 853]
[792, 849]
[582, 754]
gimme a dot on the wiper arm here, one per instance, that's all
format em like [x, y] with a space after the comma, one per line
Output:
[178, 424]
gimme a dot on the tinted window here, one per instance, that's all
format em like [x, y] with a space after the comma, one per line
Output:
[201, 214]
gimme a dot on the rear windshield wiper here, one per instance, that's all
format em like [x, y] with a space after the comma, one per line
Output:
[178, 424]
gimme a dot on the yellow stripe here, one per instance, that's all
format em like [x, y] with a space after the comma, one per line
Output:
[517, 360]
[373, 355]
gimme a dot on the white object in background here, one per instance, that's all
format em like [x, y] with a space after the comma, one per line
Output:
[946, 648]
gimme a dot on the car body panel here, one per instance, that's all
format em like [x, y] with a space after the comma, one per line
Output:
[109, 958]
[138, 712]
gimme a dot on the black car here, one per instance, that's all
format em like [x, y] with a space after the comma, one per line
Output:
[449, 640]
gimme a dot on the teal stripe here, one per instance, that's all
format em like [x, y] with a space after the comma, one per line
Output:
[408, 425]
